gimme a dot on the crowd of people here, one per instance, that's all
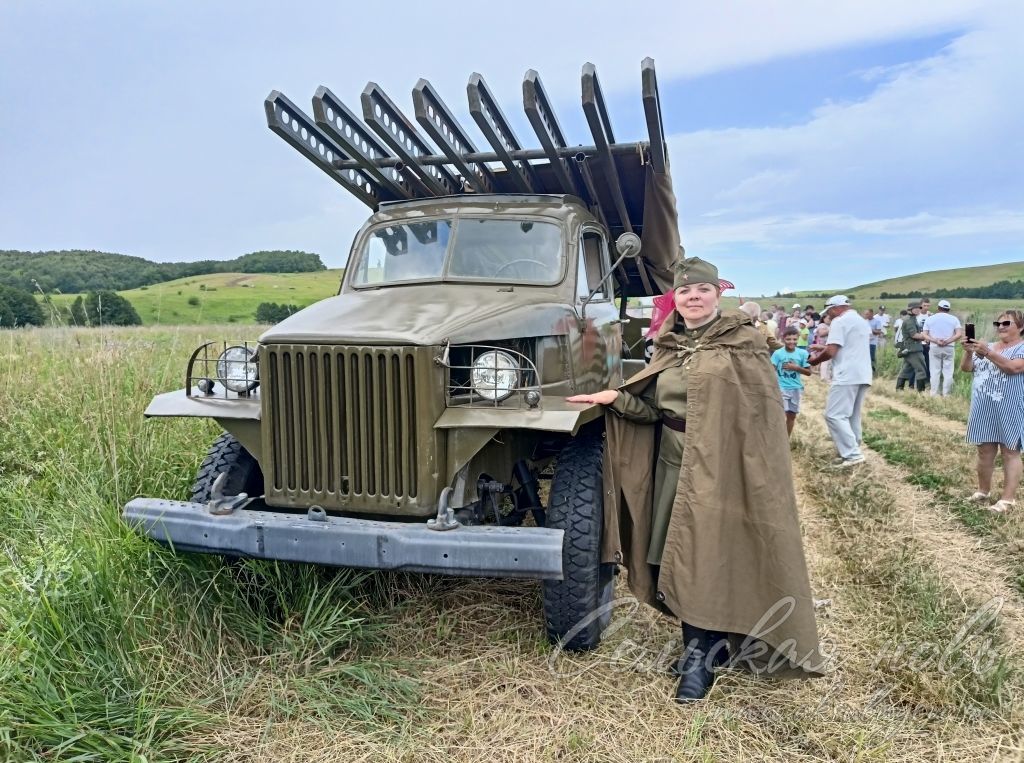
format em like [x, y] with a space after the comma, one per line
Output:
[846, 344]
[803, 341]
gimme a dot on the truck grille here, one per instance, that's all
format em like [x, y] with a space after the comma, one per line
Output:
[343, 427]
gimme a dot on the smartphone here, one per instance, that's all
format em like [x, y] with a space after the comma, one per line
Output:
[969, 332]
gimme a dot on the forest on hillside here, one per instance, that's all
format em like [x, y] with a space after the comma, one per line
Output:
[997, 290]
[73, 271]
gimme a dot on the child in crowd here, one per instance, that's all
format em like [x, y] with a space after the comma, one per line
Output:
[790, 364]
[804, 337]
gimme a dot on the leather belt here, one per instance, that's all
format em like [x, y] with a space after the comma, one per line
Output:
[677, 425]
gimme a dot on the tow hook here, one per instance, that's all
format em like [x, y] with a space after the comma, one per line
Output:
[445, 519]
[220, 504]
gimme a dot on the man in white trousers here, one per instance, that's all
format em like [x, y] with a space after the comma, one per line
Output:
[849, 339]
[943, 331]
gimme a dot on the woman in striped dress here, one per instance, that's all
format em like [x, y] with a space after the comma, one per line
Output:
[996, 422]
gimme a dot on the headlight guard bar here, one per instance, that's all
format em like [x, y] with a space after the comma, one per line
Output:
[201, 376]
[459, 361]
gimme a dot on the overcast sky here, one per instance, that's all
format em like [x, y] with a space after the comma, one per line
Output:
[813, 144]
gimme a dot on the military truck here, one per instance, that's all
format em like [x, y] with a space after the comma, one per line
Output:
[408, 422]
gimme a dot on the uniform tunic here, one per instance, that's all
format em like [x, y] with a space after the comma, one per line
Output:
[665, 393]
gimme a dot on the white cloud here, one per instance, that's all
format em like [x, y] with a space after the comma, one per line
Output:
[779, 229]
[936, 151]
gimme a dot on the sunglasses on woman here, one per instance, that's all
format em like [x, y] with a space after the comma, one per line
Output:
[1002, 324]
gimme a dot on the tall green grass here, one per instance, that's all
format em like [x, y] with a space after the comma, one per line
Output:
[114, 648]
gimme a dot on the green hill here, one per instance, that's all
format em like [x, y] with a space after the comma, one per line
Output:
[76, 270]
[223, 297]
[934, 281]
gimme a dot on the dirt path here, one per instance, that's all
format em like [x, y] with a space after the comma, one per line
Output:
[964, 561]
[915, 413]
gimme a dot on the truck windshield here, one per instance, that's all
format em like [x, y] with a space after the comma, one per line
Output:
[468, 248]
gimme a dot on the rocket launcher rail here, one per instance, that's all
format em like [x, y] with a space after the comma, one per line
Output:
[384, 157]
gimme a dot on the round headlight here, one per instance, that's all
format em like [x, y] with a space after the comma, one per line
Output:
[237, 369]
[495, 374]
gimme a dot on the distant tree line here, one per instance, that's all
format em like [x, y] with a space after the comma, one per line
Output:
[102, 308]
[822, 297]
[76, 271]
[18, 308]
[998, 290]
[272, 312]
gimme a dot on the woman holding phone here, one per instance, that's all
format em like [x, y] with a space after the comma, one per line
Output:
[996, 421]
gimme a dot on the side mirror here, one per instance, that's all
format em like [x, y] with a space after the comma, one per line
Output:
[627, 245]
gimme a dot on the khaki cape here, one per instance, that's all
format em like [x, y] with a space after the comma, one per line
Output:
[733, 558]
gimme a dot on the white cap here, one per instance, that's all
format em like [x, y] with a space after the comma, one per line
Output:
[796, 306]
[944, 303]
[837, 300]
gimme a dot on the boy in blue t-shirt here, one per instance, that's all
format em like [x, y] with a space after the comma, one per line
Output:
[790, 362]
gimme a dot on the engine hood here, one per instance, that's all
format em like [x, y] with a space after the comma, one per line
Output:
[428, 314]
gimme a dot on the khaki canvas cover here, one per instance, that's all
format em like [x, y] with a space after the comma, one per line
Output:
[733, 558]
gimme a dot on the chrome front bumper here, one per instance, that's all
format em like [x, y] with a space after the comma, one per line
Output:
[504, 552]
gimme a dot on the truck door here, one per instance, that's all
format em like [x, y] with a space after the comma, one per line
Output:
[596, 344]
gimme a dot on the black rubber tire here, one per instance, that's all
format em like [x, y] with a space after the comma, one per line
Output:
[576, 505]
[227, 455]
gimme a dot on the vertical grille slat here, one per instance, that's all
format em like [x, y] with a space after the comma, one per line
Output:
[385, 436]
[332, 442]
[361, 412]
[393, 428]
[288, 409]
[303, 422]
[403, 406]
[274, 404]
[318, 446]
[340, 426]
[346, 432]
[410, 407]
[372, 424]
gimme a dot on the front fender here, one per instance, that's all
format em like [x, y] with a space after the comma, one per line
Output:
[553, 414]
[180, 404]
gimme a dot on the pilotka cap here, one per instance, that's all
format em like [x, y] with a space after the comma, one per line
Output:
[695, 270]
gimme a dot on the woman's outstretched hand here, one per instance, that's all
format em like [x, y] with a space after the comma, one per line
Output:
[604, 397]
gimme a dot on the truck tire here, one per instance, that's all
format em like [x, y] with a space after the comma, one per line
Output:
[227, 455]
[576, 505]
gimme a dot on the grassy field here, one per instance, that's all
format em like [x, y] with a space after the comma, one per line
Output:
[115, 649]
[934, 281]
[234, 297]
[223, 297]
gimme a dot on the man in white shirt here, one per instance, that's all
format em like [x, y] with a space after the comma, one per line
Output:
[885, 319]
[942, 331]
[875, 324]
[897, 328]
[926, 310]
[848, 348]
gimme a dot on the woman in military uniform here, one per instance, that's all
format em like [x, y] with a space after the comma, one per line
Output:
[713, 539]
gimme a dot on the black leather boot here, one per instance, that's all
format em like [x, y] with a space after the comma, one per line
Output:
[703, 650]
[921, 385]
